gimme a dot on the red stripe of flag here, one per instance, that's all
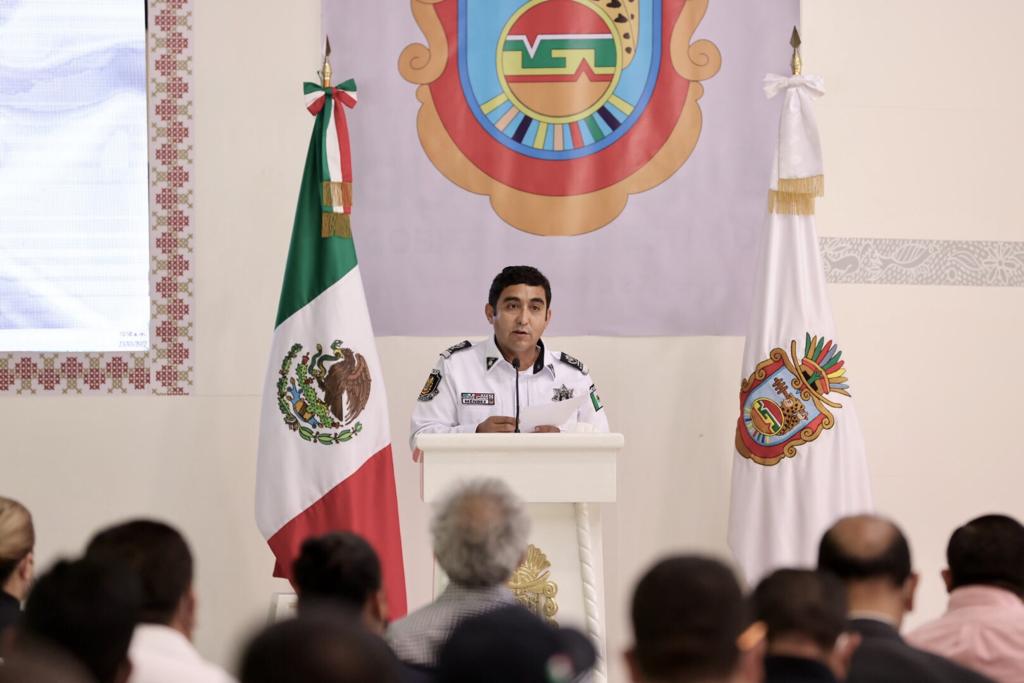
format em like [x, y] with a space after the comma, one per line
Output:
[365, 503]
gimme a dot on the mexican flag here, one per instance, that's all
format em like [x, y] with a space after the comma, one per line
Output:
[800, 461]
[324, 459]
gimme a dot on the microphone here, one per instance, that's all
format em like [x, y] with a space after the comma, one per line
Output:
[515, 366]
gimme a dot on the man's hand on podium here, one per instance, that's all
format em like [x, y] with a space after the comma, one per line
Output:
[497, 423]
[502, 424]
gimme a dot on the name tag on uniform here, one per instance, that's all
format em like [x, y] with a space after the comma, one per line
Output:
[477, 399]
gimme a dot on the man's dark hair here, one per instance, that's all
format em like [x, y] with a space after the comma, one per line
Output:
[87, 608]
[988, 551]
[318, 647]
[688, 613]
[157, 554]
[518, 275]
[892, 562]
[339, 567]
[802, 602]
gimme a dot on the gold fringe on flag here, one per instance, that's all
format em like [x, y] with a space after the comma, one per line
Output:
[791, 203]
[337, 195]
[335, 225]
[814, 186]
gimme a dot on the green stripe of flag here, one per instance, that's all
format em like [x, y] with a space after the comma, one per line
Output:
[314, 263]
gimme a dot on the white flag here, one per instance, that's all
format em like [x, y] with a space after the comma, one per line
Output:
[800, 462]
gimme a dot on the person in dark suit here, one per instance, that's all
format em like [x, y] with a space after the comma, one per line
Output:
[805, 613]
[872, 557]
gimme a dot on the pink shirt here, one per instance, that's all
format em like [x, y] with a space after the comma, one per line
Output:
[982, 629]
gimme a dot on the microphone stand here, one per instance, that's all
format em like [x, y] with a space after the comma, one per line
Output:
[515, 366]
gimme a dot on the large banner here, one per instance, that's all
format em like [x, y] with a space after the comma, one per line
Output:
[621, 146]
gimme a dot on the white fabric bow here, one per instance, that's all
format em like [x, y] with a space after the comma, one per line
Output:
[774, 84]
[798, 155]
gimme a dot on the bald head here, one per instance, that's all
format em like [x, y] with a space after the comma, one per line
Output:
[865, 547]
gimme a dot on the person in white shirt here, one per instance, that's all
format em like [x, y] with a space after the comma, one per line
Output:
[161, 649]
[473, 386]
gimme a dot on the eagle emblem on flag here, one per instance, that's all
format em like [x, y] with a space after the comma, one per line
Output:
[325, 393]
[559, 109]
[783, 403]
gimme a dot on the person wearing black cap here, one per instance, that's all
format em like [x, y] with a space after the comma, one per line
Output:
[512, 645]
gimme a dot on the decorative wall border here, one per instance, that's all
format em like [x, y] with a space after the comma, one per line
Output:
[965, 263]
[167, 368]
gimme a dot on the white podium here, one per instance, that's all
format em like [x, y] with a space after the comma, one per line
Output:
[558, 475]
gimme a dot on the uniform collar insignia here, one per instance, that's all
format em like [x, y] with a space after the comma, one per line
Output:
[538, 365]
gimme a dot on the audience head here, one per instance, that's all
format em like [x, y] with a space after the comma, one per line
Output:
[159, 556]
[514, 645]
[17, 540]
[88, 609]
[320, 646]
[480, 531]
[341, 568]
[691, 623]
[37, 663]
[987, 551]
[872, 557]
[805, 614]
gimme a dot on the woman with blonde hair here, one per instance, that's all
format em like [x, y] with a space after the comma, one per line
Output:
[17, 540]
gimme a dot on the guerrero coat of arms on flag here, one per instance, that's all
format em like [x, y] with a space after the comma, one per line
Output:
[559, 109]
[783, 402]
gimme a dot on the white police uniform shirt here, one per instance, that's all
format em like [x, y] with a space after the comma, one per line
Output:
[473, 381]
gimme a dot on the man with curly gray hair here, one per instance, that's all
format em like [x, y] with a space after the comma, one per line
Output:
[480, 530]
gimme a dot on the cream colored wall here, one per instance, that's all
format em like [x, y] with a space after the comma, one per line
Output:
[932, 367]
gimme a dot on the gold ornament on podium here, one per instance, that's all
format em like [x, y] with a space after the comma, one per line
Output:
[532, 587]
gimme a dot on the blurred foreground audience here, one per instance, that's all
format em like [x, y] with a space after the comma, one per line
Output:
[691, 623]
[480, 531]
[983, 628]
[41, 664]
[341, 571]
[872, 557]
[320, 646]
[805, 614]
[88, 610]
[17, 542]
[512, 645]
[161, 647]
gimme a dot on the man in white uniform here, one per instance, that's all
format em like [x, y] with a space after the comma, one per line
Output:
[473, 386]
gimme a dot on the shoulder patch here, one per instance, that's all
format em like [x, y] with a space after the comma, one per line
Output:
[569, 360]
[465, 344]
[430, 388]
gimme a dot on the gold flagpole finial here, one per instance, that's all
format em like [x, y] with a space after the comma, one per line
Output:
[325, 71]
[795, 64]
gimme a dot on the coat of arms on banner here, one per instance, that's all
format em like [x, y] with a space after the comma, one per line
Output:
[783, 402]
[558, 110]
[326, 392]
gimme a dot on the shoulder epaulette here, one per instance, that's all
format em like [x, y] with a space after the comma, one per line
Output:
[569, 360]
[456, 348]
